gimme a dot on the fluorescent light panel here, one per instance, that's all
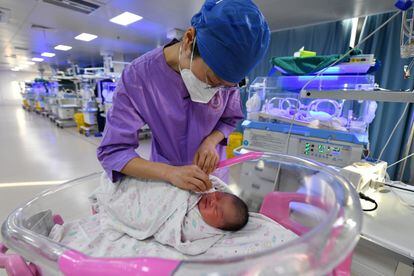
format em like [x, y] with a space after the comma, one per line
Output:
[37, 59]
[86, 37]
[46, 54]
[15, 69]
[61, 47]
[125, 18]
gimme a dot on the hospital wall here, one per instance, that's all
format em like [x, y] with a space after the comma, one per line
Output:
[9, 86]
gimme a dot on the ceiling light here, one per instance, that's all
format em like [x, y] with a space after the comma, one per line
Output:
[86, 37]
[63, 48]
[30, 63]
[37, 59]
[15, 69]
[125, 18]
[46, 54]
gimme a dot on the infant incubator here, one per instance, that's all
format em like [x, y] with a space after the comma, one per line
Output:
[307, 198]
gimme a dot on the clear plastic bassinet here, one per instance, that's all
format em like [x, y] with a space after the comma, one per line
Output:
[309, 199]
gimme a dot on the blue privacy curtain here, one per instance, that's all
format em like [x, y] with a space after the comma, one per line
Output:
[385, 45]
[327, 38]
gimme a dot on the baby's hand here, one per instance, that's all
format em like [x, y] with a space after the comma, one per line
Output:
[189, 178]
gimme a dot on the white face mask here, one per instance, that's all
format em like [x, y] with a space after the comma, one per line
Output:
[198, 90]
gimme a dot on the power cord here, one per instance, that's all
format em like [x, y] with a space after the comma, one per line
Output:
[367, 198]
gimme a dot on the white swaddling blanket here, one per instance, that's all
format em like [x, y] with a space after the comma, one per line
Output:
[100, 236]
[87, 236]
[144, 209]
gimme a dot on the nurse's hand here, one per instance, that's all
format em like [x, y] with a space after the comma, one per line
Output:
[189, 178]
[207, 157]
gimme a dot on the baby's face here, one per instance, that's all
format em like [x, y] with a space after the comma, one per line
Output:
[216, 208]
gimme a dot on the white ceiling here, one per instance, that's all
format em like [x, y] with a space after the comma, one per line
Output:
[135, 39]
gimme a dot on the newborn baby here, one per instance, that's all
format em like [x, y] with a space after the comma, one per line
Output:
[223, 211]
[187, 221]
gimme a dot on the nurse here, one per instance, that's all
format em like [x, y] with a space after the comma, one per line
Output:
[186, 92]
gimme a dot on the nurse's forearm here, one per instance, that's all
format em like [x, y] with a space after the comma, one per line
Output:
[141, 168]
[215, 137]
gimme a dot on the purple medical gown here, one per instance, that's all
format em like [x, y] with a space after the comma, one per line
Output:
[150, 92]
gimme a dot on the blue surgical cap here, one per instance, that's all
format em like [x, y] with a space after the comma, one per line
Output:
[232, 36]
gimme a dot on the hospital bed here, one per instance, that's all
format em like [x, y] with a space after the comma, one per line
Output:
[314, 202]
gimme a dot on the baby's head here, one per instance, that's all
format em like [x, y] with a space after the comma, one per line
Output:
[224, 211]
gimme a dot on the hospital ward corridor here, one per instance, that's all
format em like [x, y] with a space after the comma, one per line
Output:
[50, 157]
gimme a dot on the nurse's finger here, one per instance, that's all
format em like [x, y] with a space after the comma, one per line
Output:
[208, 168]
[214, 163]
[199, 174]
[207, 163]
[190, 186]
[196, 157]
[198, 184]
[202, 160]
[209, 184]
